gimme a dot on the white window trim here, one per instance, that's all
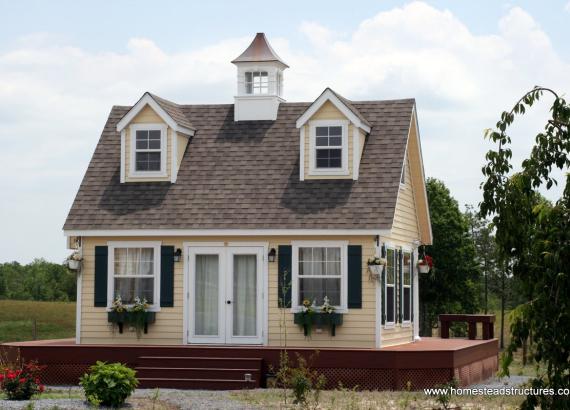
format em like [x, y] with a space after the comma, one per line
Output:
[343, 245]
[163, 149]
[155, 307]
[390, 325]
[407, 323]
[313, 170]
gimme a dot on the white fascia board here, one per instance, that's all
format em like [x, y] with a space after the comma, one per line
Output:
[148, 100]
[328, 95]
[225, 232]
[416, 124]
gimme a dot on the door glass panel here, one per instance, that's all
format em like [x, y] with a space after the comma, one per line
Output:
[245, 295]
[206, 294]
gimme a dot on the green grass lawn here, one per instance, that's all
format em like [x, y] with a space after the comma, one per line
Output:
[54, 320]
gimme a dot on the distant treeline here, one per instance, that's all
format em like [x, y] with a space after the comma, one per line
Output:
[38, 280]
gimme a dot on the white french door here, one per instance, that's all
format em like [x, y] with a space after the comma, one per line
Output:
[225, 294]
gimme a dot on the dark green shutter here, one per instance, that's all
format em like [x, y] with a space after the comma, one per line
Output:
[284, 275]
[401, 286]
[412, 269]
[354, 276]
[101, 274]
[383, 287]
[167, 276]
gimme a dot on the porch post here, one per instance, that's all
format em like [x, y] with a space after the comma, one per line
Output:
[416, 296]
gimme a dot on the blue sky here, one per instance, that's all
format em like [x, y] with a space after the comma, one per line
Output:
[63, 64]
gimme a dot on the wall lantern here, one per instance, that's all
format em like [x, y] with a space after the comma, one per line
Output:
[271, 255]
[177, 255]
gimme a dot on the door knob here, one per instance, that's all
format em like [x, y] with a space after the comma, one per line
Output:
[229, 302]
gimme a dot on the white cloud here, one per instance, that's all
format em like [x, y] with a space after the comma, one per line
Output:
[54, 98]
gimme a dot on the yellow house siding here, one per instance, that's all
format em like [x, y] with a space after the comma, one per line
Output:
[358, 329]
[182, 143]
[147, 116]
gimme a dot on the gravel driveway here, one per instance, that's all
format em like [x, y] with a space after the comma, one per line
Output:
[169, 399]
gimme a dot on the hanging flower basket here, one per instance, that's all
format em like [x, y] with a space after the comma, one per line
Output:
[423, 268]
[73, 264]
[375, 272]
[425, 264]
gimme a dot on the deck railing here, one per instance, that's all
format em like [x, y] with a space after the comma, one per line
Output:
[487, 322]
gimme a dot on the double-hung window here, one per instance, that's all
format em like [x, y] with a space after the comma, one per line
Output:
[319, 271]
[134, 272]
[407, 287]
[390, 287]
[148, 149]
[329, 147]
[256, 82]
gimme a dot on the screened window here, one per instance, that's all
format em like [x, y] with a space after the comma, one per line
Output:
[148, 150]
[134, 274]
[256, 82]
[407, 286]
[328, 147]
[320, 275]
[390, 287]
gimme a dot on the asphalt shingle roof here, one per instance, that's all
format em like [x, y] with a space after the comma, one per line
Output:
[241, 175]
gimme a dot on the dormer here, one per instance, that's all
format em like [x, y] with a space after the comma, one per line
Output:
[259, 82]
[154, 136]
[332, 136]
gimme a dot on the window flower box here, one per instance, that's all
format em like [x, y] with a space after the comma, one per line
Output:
[131, 318]
[308, 320]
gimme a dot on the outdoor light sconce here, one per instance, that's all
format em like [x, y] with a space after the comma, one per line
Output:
[271, 255]
[177, 255]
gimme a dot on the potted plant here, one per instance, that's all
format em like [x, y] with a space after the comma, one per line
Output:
[74, 261]
[425, 264]
[117, 315]
[376, 267]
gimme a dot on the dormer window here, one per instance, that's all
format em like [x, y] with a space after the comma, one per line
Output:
[148, 150]
[256, 82]
[329, 147]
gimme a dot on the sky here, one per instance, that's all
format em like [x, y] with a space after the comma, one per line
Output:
[64, 64]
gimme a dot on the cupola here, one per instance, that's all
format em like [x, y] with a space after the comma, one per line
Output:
[259, 82]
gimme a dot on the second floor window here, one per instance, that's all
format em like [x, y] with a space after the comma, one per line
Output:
[256, 82]
[148, 150]
[328, 147]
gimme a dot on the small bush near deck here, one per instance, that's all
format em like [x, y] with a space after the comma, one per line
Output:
[21, 383]
[108, 384]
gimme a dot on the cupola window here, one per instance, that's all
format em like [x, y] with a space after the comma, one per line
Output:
[256, 82]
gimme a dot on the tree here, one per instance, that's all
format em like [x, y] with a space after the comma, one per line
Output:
[452, 286]
[534, 238]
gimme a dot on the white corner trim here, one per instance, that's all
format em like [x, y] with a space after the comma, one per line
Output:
[145, 100]
[123, 157]
[302, 154]
[78, 301]
[416, 298]
[163, 150]
[174, 157]
[328, 95]
[355, 153]
[313, 170]
[225, 232]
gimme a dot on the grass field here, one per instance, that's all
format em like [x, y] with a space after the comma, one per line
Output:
[54, 320]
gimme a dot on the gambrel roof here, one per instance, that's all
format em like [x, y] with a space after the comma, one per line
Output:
[245, 175]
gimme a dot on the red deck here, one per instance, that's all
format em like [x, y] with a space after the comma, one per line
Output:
[425, 363]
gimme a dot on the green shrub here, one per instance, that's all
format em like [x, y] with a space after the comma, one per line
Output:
[109, 384]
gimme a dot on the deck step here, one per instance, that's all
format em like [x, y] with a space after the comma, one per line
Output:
[206, 384]
[200, 362]
[212, 373]
[196, 373]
